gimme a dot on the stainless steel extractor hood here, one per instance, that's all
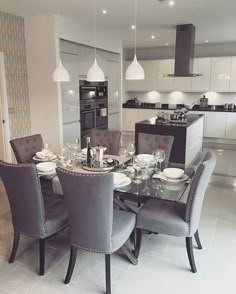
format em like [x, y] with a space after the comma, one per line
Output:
[184, 51]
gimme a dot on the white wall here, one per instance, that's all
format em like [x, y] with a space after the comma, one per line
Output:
[182, 98]
[42, 50]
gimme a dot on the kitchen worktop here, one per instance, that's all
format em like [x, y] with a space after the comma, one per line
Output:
[218, 108]
[191, 119]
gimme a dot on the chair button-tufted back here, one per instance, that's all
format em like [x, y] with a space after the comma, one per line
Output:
[106, 138]
[147, 143]
[25, 148]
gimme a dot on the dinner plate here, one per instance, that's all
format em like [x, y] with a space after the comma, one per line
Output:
[161, 176]
[46, 167]
[53, 157]
[119, 178]
[125, 183]
[144, 157]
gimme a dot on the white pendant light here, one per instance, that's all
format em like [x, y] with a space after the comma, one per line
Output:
[60, 74]
[135, 71]
[95, 73]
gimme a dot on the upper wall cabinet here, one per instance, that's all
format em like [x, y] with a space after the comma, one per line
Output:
[202, 83]
[166, 84]
[183, 84]
[220, 74]
[149, 83]
[233, 75]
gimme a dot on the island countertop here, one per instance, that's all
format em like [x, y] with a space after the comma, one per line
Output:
[191, 119]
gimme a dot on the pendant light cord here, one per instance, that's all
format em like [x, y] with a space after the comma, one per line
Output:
[95, 27]
[135, 24]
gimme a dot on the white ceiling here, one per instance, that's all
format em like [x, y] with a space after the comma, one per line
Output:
[214, 20]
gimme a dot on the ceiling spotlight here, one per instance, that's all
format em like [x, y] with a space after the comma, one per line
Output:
[153, 37]
[206, 41]
[133, 27]
[104, 11]
[166, 44]
[171, 3]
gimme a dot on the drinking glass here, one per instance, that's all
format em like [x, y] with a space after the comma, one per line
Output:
[138, 177]
[131, 151]
[159, 156]
[122, 153]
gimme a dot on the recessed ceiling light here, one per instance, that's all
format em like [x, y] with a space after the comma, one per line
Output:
[171, 3]
[166, 44]
[104, 11]
[206, 41]
[133, 27]
[153, 37]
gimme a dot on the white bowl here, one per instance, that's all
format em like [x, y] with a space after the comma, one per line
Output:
[145, 157]
[173, 173]
[46, 166]
[119, 178]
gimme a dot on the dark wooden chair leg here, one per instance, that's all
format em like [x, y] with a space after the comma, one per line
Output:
[138, 242]
[108, 273]
[196, 235]
[41, 256]
[189, 246]
[73, 255]
[15, 246]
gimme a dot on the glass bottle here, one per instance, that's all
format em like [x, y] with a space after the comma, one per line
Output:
[89, 157]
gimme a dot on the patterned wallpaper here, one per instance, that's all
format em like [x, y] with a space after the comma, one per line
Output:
[12, 44]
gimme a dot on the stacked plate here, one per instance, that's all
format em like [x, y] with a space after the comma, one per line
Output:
[42, 156]
[174, 175]
[120, 180]
[46, 168]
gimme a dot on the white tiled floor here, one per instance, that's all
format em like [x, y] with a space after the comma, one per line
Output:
[163, 265]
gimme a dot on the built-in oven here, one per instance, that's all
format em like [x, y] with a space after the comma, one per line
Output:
[101, 115]
[87, 93]
[87, 117]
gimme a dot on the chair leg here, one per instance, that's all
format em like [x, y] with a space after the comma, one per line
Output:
[108, 273]
[196, 235]
[73, 255]
[138, 242]
[189, 246]
[15, 246]
[41, 256]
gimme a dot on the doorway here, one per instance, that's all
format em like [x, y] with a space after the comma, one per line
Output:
[5, 150]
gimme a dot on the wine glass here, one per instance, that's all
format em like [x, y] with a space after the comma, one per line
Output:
[159, 156]
[131, 151]
[122, 153]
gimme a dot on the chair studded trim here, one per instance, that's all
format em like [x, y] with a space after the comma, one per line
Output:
[192, 192]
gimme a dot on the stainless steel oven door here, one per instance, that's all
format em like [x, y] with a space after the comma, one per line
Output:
[88, 119]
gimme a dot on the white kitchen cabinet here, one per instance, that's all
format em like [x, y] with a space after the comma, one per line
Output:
[149, 83]
[233, 75]
[166, 84]
[220, 74]
[205, 119]
[230, 130]
[114, 121]
[215, 124]
[202, 83]
[183, 84]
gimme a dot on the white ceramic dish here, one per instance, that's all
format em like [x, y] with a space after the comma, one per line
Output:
[125, 183]
[119, 178]
[164, 178]
[46, 167]
[173, 173]
[145, 157]
[52, 157]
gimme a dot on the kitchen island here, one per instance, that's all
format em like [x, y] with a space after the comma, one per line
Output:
[188, 136]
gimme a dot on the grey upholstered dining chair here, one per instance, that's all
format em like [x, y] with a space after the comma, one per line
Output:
[94, 225]
[32, 214]
[147, 143]
[106, 138]
[175, 218]
[26, 147]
